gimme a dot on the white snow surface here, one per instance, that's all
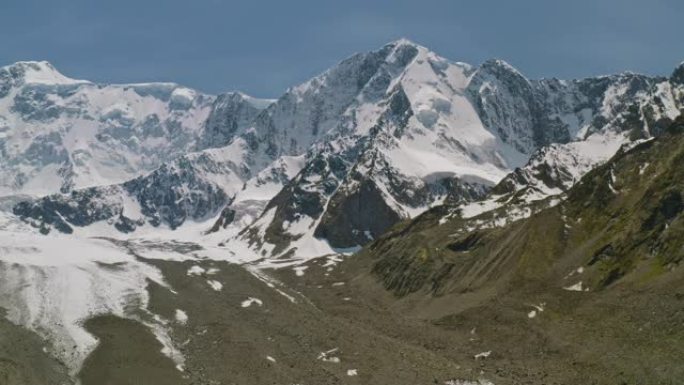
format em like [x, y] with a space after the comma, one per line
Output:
[329, 356]
[250, 301]
[53, 283]
[181, 317]
[216, 285]
[576, 287]
[93, 134]
[60, 134]
[42, 72]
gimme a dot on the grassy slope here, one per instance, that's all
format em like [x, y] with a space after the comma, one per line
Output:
[622, 224]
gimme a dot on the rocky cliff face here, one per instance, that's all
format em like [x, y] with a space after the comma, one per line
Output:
[644, 109]
[231, 115]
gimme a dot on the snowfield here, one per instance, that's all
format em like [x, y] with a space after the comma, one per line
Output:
[53, 283]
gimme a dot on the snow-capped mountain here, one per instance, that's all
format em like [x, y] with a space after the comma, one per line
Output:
[380, 137]
[195, 187]
[115, 176]
[59, 134]
[633, 108]
[231, 115]
[424, 130]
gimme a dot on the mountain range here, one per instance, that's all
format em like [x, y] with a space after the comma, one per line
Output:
[400, 128]
[439, 177]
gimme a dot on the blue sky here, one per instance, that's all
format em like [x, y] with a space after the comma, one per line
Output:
[262, 47]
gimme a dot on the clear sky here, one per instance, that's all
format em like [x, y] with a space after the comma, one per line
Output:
[264, 46]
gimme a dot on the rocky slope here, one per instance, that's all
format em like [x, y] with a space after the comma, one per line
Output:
[619, 226]
[566, 290]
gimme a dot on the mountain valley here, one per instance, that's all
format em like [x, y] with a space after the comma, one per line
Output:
[400, 218]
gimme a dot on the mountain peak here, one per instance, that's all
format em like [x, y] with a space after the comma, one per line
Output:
[678, 74]
[39, 72]
[405, 43]
[402, 41]
[500, 64]
[258, 103]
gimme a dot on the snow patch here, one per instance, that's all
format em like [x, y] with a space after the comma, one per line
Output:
[537, 310]
[195, 270]
[576, 287]
[251, 300]
[328, 356]
[468, 382]
[216, 285]
[299, 270]
[181, 317]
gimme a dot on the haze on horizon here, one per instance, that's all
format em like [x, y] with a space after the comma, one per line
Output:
[262, 47]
